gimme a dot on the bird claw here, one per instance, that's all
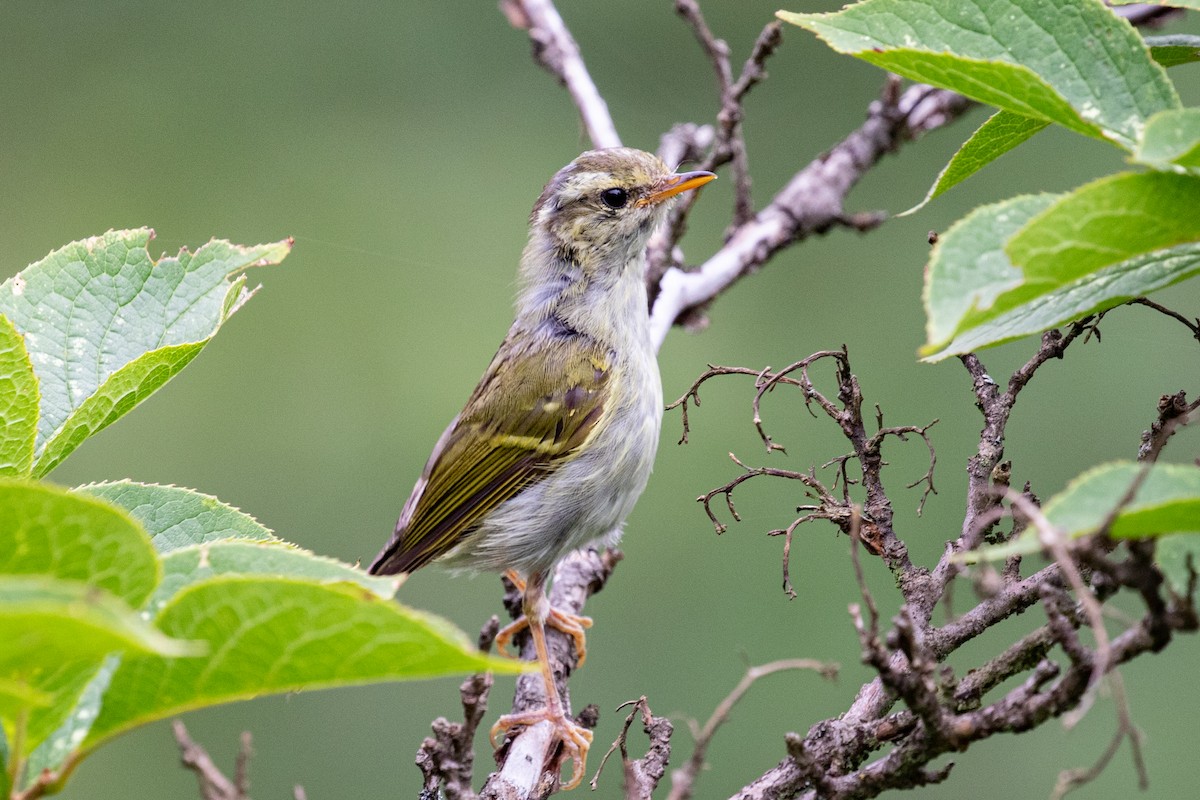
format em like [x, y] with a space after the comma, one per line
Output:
[576, 739]
[570, 624]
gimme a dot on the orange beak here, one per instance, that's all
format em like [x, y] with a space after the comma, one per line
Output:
[674, 184]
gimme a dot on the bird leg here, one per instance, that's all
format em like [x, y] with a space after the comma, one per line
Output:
[572, 625]
[575, 738]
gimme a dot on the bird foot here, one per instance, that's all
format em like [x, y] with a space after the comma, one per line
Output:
[575, 738]
[572, 625]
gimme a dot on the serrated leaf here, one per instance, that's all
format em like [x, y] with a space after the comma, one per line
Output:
[270, 635]
[1167, 501]
[1003, 131]
[1178, 557]
[56, 633]
[18, 403]
[106, 325]
[54, 533]
[1105, 222]
[124, 389]
[1071, 62]
[1065, 255]
[189, 565]
[1174, 49]
[1091, 294]
[176, 517]
[1172, 141]
[968, 268]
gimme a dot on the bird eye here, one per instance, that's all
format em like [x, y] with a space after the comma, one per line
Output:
[614, 198]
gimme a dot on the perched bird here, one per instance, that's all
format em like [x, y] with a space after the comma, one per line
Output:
[557, 441]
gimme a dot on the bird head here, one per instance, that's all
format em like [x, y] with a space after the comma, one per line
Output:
[602, 207]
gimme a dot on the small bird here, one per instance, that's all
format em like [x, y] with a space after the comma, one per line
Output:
[558, 439]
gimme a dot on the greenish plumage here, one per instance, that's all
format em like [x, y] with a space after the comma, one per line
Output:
[516, 428]
[558, 439]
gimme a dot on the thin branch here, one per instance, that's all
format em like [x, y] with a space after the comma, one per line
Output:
[810, 203]
[683, 780]
[1192, 325]
[213, 783]
[447, 758]
[554, 48]
[523, 758]
[642, 775]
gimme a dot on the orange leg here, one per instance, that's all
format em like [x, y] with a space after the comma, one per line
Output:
[575, 738]
[572, 625]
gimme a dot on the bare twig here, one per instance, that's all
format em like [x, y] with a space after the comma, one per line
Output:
[642, 775]
[213, 783]
[555, 49]
[447, 758]
[810, 203]
[683, 779]
[524, 758]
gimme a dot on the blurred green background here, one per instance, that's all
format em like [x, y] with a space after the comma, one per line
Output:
[402, 145]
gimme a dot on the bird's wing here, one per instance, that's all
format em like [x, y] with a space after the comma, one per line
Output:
[515, 429]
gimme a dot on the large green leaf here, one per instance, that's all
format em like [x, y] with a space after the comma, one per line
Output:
[1071, 62]
[106, 325]
[1166, 502]
[1172, 141]
[51, 532]
[1003, 131]
[56, 633]
[189, 565]
[18, 403]
[1114, 239]
[200, 538]
[176, 517]
[1105, 222]
[269, 635]
[968, 268]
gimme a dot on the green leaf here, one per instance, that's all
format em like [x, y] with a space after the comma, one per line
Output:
[1013, 316]
[1168, 501]
[1003, 131]
[56, 633]
[1071, 62]
[106, 325]
[1105, 222]
[176, 517]
[55, 748]
[54, 533]
[968, 268]
[1171, 141]
[18, 403]
[270, 635]
[17, 695]
[198, 563]
[1178, 557]
[1174, 49]
[1097, 247]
